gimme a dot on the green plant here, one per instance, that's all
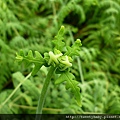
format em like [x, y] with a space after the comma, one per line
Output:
[96, 23]
[58, 61]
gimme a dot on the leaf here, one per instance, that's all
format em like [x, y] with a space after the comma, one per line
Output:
[27, 98]
[70, 83]
[38, 60]
[3, 96]
[74, 49]
[27, 85]
[59, 44]
[6, 110]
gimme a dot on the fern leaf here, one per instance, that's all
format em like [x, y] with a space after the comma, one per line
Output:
[109, 3]
[6, 110]
[80, 11]
[70, 84]
[4, 45]
[38, 60]
[59, 44]
[74, 50]
[27, 85]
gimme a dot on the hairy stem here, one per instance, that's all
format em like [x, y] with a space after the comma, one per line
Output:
[44, 91]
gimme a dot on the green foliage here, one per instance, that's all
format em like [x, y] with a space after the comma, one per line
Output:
[71, 6]
[27, 85]
[31, 25]
[58, 60]
[59, 44]
[71, 83]
[29, 59]
[74, 50]
[27, 93]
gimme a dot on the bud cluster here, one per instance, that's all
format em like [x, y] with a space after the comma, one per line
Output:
[58, 59]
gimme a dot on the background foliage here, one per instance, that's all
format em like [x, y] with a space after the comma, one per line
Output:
[32, 24]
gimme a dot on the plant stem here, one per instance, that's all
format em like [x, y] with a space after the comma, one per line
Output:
[44, 91]
[15, 90]
[34, 108]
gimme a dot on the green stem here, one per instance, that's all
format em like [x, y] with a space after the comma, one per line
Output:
[44, 91]
[15, 90]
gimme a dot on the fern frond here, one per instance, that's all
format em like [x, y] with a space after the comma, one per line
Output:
[38, 60]
[70, 84]
[74, 49]
[80, 11]
[105, 3]
[112, 11]
[70, 7]
[59, 44]
[27, 85]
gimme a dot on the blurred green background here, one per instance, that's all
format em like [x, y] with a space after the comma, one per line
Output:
[32, 24]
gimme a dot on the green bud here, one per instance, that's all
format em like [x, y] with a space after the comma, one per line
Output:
[65, 62]
[54, 58]
[78, 41]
